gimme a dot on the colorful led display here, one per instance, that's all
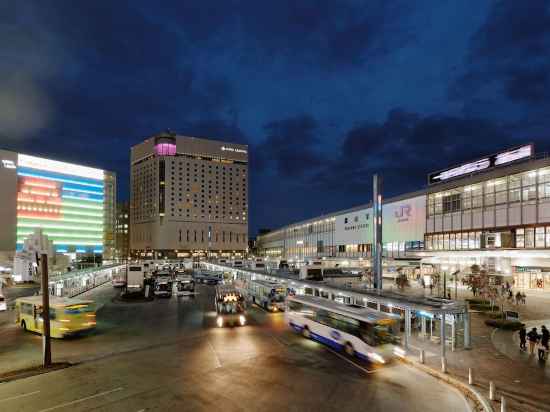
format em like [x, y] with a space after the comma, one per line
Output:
[65, 200]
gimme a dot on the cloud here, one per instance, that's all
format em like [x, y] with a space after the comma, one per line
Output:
[509, 58]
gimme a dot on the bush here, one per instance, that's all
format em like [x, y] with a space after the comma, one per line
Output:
[479, 301]
[485, 307]
[504, 324]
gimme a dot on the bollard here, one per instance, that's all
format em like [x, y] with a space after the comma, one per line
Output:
[491, 390]
[470, 376]
[502, 404]
[422, 356]
[443, 364]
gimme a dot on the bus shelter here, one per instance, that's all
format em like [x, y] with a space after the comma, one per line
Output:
[441, 321]
[77, 281]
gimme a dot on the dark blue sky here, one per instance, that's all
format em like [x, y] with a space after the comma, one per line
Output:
[324, 92]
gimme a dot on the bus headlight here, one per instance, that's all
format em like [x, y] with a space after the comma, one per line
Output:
[376, 357]
[219, 321]
[399, 352]
[242, 320]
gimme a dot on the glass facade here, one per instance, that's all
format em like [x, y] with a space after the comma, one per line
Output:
[67, 201]
[506, 212]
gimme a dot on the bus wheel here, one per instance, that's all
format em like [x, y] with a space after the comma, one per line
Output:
[349, 349]
[23, 325]
[306, 333]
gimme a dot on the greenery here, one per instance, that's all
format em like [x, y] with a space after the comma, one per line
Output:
[504, 324]
[478, 301]
[484, 307]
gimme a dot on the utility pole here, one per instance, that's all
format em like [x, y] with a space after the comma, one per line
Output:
[377, 231]
[46, 346]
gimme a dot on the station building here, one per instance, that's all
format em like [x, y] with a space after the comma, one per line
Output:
[189, 197]
[74, 205]
[493, 212]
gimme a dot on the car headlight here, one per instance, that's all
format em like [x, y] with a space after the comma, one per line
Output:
[219, 321]
[242, 320]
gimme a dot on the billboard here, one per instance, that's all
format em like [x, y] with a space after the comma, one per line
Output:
[402, 221]
[488, 162]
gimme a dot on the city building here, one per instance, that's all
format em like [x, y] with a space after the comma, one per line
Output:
[122, 231]
[73, 204]
[189, 197]
[493, 212]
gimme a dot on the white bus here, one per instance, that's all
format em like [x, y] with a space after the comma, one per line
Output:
[268, 295]
[359, 331]
[230, 306]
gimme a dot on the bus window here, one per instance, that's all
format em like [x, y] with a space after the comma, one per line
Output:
[77, 309]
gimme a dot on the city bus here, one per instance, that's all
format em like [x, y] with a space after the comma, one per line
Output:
[268, 295]
[230, 306]
[67, 316]
[357, 330]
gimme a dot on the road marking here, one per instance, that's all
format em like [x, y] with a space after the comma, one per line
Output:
[215, 354]
[19, 396]
[350, 361]
[62, 405]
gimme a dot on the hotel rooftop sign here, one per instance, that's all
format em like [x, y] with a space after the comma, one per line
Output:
[488, 162]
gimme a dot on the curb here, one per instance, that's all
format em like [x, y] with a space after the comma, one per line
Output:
[470, 392]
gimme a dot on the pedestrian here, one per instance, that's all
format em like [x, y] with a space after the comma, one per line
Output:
[449, 295]
[507, 285]
[541, 349]
[523, 297]
[518, 298]
[545, 337]
[533, 338]
[522, 338]
[431, 288]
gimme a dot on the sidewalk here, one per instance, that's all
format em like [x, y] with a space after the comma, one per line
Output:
[495, 357]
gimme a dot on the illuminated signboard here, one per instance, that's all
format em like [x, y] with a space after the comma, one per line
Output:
[499, 159]
[232, 149]
[8, 164]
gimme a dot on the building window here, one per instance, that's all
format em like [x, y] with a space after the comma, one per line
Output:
[530, 237]
[520, 238]
[539, 237]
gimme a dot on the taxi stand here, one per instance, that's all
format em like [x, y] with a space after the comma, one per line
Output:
[441, 321]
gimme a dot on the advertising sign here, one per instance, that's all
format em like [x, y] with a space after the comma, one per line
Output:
[488, 162]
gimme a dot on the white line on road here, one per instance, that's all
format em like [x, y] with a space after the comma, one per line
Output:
[62, 405]
[19, 396]
[215, 354]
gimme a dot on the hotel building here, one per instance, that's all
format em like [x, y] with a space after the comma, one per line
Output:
[73, 204]
[493, 212]
[189, 197]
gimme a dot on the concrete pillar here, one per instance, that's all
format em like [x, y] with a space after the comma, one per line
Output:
[467, 329]
[423, 326]
[442, 337]
[407, 328]
[492, 391]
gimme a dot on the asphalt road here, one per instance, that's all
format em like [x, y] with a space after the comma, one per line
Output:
[168, 355]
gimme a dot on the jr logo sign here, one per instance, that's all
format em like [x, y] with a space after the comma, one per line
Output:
[403, 213]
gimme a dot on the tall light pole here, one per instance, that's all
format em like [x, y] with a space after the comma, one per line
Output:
[46, 345]
[377, 231]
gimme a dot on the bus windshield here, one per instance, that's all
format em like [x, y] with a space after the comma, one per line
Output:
[277, 295]
[227, 308]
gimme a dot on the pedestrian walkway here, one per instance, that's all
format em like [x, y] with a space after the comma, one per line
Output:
[524, 384]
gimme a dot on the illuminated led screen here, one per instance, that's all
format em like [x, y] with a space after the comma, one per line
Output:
[63, 199]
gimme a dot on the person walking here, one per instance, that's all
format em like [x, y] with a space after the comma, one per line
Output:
[523, 297]
[541, 349]
[533, 338]
[545, 336]
[518, 298]
[522, 338]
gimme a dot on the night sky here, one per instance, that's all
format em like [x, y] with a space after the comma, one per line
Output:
[325, 92]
